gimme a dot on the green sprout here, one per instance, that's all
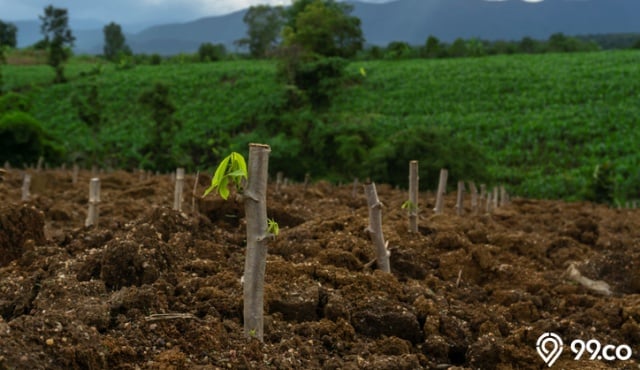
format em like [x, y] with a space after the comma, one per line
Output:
[409, 205]
[232, 169]
[273, 227]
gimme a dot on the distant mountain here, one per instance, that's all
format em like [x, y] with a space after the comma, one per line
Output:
[402, 20]
[414, 20]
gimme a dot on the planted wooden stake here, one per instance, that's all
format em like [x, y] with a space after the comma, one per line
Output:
[474, 197]
[460, 199]
[307, 180]
[354, 189]
[26, 184]
[39, 165]
[488, 202]
[504, 197]
[495, 197]
[375, 227]
[279, 176]
[193, 194]
[74, 174]
[414, 179]
[7, 165]
[255, 205]
[442, 188]
[177, 194]
[94, 199]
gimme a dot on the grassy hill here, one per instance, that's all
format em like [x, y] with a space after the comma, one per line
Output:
[542, 122]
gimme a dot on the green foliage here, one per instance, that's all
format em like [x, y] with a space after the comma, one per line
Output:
[323, 27]
[12, 101]
[114, 42]
[272, 227]
[232, 170]
[433, 48]
[58, 38]
[602, 186]
[458, 49]
[317, 78]
[408, 205]
[434, 148]
[208, 52]
[88, 105]
[399, 50]
[2, 61]
[542, 122]
[264, 25]
[155, 59]
[22, 140]
[160, 147]
[8, 33]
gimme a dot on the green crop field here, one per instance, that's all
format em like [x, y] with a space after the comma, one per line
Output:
[544, 122]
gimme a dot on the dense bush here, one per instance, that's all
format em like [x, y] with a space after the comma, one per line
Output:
[22, 140]
[435, 148]
[315, 77]
[12, 101]
[208, 52]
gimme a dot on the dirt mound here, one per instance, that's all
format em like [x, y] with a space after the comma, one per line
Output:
[154, 288]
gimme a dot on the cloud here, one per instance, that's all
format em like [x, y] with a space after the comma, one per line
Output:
[133, 11]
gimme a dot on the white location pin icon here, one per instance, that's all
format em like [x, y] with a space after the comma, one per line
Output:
[549, 347]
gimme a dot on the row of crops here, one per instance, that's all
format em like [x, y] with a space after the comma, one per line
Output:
[547, 120]
[542, 122]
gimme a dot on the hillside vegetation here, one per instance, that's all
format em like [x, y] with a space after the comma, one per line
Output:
[541, 124]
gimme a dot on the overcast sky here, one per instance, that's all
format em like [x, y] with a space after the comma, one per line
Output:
[132, 11]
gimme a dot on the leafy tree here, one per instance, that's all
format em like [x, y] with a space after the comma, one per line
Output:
[375, 52]
[114, 42]
[323, 27]
[208, 52]
[475, 48]
[502, 47]
[318, 34]
[58, 38]
[8, 33]
[458, 49]
[432, 48]
[264, 27]
[398, 50]
[528, 45]
[155, 59]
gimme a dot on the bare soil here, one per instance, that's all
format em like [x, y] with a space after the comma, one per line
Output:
[153, 288]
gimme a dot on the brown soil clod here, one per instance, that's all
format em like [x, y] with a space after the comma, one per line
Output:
[153, 288]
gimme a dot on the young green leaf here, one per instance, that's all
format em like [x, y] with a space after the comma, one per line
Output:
[273, 227]
[232, 167]
[408, 205]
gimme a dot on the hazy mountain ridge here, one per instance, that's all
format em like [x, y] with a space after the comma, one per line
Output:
[403, 20]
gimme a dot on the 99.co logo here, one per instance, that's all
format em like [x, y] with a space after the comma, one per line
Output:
[550, 347]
